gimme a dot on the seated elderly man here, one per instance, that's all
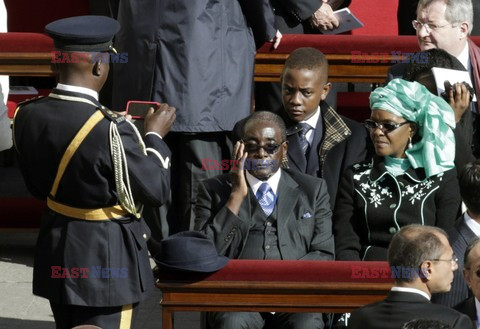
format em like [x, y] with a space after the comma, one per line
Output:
[260, 211]
[425, 254]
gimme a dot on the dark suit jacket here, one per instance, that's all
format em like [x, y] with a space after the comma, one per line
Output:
[400, 307]
[198, 56]
[342, 143]
[460, 235]
[303, 224]
[468, 307]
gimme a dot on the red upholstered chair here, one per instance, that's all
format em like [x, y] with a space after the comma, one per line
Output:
[32, 16]
[378, 17]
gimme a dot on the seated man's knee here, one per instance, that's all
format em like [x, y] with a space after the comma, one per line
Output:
[235, 320]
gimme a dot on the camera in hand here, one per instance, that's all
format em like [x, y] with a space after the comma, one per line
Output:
[138, 109]
[449, 86]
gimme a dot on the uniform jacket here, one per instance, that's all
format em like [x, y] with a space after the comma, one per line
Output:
[459, 236]
[341, 143]
[303, 222]
[113, 251]
[400, 307]
[197, 56]
[372, 205]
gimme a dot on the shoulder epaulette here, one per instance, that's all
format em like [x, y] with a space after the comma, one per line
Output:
[30, 100]
[111, 115]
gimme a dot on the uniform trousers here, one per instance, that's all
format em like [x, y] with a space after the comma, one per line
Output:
[114, 317]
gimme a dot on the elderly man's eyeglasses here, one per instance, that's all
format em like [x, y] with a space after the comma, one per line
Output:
[453, 260]
[386, 127]
[269, 148]
[429, 27]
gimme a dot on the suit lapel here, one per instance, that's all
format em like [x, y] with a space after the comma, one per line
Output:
[312, 163]
[465, 231]
[287, 197]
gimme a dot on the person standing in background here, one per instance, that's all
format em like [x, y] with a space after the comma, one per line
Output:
[199, 57]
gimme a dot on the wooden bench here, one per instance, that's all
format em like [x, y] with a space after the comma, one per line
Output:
[280, 286]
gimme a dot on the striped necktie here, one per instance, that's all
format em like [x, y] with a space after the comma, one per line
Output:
[266, 198]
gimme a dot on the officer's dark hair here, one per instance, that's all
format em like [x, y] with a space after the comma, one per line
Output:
[268, 117]
[472, 244]
[469, 181]
[433, 58]
[307, 58]
[413, 245]
[425, 324]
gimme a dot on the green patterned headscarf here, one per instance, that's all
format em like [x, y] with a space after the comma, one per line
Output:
[434, 117]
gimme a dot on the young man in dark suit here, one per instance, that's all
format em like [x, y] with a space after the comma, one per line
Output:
[422, 263]
[331, 142]
[260, 211]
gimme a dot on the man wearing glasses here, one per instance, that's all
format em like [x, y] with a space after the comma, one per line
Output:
[471, 272]
[446, 25]
[264, 212]
[466, 229]
[426, 249]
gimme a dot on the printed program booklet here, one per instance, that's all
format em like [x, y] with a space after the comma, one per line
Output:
[347, 22]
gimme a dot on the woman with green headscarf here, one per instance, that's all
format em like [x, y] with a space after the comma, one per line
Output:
[411, 179]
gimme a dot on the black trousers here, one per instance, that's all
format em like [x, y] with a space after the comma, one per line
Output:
[115, 317]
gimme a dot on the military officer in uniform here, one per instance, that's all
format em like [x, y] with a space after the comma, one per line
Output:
[95, 171]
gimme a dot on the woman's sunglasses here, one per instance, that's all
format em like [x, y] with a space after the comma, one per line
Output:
[386, 127]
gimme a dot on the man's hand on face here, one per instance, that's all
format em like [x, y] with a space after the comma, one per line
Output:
[237, 174]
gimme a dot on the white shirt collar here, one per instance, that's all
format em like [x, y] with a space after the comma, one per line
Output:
[272, 181]
[472, 224]
[78, 89]
[464, 57]
[413, 290]
[312, 121]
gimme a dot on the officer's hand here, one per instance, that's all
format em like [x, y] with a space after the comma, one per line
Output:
[160, 120]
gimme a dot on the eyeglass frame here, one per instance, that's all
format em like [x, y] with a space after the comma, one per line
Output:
[258, 147]
[428, 26]
[453, 261]
[381, 125]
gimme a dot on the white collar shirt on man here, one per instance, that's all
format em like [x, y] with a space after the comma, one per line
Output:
[472, 224]
[412, 290]
[312, 121]
[77, 89]
[255, 183]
